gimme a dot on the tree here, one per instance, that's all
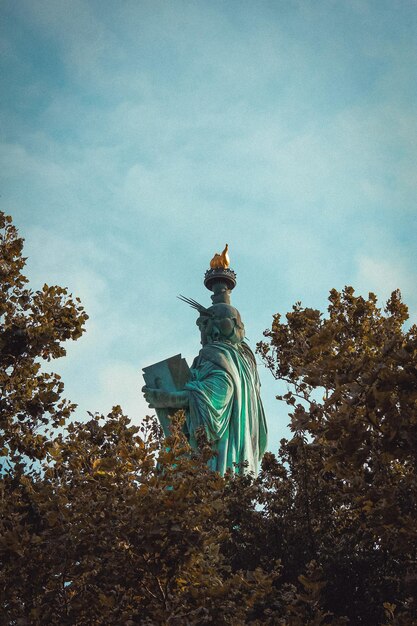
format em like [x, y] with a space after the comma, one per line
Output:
[102, 522]
[33, 326]
[106, 522]
[351, 500]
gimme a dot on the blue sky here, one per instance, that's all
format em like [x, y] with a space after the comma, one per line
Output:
[138, 137]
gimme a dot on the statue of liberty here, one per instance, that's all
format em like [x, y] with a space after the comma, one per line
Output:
[222, 393]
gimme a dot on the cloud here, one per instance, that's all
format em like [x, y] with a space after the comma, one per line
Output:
[383, 276]
[141, 137]
[120, 383]
[56, 259]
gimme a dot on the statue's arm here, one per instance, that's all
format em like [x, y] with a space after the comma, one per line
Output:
[161, 399]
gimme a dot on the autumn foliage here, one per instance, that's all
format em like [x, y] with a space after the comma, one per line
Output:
[105, 522]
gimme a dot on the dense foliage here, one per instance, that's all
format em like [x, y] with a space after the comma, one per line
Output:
[104, 522]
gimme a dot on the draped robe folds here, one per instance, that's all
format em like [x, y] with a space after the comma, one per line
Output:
[224, 398]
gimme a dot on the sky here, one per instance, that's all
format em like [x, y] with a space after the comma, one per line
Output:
[138, 137]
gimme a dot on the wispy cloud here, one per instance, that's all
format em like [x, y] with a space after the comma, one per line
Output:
[140, 137]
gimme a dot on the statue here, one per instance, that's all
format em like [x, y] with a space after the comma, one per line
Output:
[222, 393]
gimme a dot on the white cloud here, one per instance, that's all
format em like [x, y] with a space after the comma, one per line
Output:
[120, 383]
[56, 259]
[167, 129]
[383, 276]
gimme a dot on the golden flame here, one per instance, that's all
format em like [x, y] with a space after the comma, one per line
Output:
[221, 261]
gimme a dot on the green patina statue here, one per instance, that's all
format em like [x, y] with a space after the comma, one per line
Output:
[222, 393]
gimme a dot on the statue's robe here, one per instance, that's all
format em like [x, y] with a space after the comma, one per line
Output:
[224, 397]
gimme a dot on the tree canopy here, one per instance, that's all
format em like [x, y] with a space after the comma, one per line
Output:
[106, 522]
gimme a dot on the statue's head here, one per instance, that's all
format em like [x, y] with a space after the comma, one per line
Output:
[221, 322]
